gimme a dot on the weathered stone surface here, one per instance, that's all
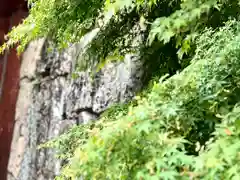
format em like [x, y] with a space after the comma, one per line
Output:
[20, 135]
[50, 102]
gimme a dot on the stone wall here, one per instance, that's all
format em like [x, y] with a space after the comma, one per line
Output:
[50, 102]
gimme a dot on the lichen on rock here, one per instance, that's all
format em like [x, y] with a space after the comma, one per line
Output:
[51, 101]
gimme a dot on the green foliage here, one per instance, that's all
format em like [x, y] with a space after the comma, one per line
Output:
[65, 22]
[149, 141]
[185, 126]
[67, 142]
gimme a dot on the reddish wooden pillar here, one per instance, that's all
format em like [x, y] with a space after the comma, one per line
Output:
[9, 92]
